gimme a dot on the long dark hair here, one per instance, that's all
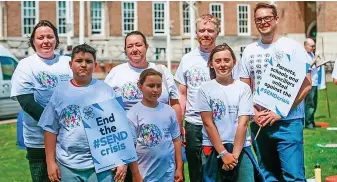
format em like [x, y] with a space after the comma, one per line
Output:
[218, 48]
[43, 23]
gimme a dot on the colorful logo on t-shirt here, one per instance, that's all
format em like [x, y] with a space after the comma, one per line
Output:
[130, 91]
[71, 115]
[150, 135]
[197, 76]
[218, 108]
[46, 79]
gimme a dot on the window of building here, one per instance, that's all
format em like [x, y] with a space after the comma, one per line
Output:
[187, 50]
[216, 9]
[129, 12]
[242, 48]
[158, 18]
[186, 18]
[243, 16]
[30, 16]
[160, 53]
[97, 17]
[61, 17]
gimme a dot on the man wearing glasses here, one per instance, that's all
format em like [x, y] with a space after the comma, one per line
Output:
[279, 146]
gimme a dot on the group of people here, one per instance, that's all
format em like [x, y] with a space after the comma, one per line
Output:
[217, 109]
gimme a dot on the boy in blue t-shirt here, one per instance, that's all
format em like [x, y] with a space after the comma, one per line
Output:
[65, 137]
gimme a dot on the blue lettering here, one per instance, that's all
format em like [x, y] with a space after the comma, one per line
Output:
[103, 152]
[103, 141]
[110, 139]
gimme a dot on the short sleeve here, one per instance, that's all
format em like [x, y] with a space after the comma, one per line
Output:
[133, 123]
[203, 103]
[174, 127]
[180, 76]
[22, 81]
[302, 54]
[244, 66]
[173, 89]
[246, 102]
[334, 72]
[108, 79]
[49, 120]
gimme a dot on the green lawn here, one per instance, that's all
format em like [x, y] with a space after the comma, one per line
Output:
[14, 166]
[326, 157]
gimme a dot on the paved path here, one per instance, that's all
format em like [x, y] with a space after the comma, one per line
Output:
[7, 121]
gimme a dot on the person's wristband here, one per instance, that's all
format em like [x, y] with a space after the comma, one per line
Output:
[224, 152]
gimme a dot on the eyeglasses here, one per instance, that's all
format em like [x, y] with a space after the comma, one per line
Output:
[266, 19]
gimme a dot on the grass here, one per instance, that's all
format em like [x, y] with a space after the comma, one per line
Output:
[326, 157]
[14, 166]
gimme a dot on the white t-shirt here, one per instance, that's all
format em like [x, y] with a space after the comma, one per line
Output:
[255, 59]
[193, 72]
[38, 76]
[153, 132]
[124, 77]
[227, 103]
[63, 117]
[334, 72]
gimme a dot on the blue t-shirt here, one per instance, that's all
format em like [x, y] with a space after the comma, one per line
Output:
[63, 117]
[227, 103]
[153, 132]
[38, 76]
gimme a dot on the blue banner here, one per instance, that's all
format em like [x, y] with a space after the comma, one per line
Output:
[109, 135]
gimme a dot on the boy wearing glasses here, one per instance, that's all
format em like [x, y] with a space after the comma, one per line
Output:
[279, 146]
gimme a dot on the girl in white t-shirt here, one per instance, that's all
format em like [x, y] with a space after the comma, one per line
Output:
[225, 105]
[156, 132]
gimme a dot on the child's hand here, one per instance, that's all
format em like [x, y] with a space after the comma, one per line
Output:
[178, 176]
[137, 177]
[54, 173]
[229, 162]
[121, 173]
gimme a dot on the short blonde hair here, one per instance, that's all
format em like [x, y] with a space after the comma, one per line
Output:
[209, 18]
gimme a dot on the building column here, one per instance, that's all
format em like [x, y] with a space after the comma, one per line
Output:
[1, 19]
[81, 33]
[192, 21]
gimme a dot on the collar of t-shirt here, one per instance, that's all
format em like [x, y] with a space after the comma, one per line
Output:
[138, 69]
[311, 55]
[48, 61]
[77, 87]
[158, 107]
[259, 42]
[202, 54]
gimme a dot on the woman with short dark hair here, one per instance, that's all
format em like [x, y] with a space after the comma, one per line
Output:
[33, 83]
